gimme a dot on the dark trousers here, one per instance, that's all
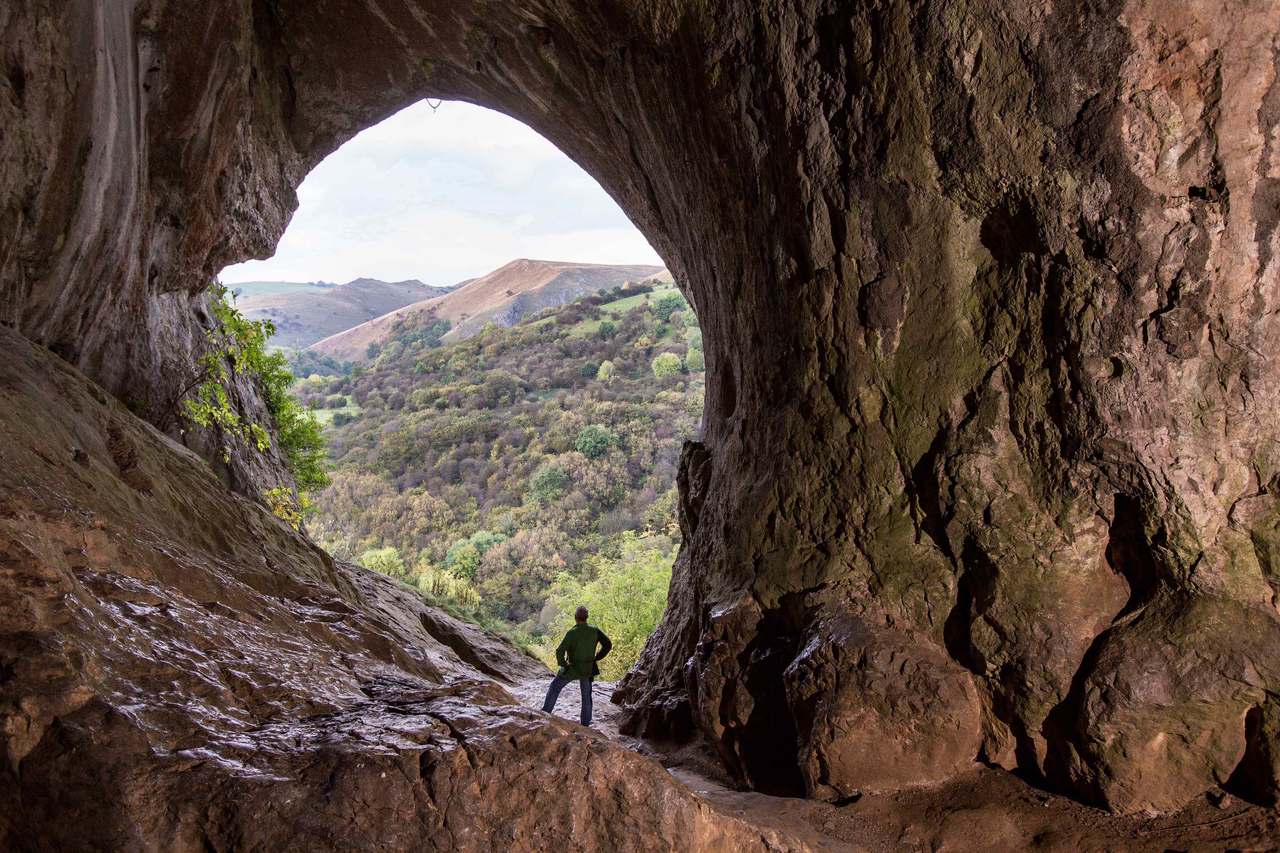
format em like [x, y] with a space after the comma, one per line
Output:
[553, 693]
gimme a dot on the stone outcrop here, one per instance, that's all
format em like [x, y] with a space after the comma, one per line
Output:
[179, 670]
[989, 300]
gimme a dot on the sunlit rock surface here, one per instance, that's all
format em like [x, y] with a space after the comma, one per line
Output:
[989, 296]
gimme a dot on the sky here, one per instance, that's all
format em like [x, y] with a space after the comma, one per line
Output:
[442, 196]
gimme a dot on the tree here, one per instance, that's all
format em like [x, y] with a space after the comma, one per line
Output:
[462, 559]
[594, 441]
[668, 305]
[626, 599]
[548, 483]
[384, 561]
[607, 329]
[666, 365]
[606, 372]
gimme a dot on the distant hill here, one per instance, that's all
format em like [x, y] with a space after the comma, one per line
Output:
[306, 313]
[503, 297]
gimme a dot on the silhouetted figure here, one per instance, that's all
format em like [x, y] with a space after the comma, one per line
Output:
[577, 657]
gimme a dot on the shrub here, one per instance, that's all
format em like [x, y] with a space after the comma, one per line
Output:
[606, 372]
[666, 365]
[594, 441]
[548, 483]
[695, 360]
[668, 305]
[239, 346]
[607, 329]
[384, 561]
[588, 370]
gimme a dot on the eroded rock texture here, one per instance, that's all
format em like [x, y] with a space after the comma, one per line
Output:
[989, 297]
[180, 671]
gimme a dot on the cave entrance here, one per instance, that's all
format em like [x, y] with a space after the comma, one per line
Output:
[503, 432]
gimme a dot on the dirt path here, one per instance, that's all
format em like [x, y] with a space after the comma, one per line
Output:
[987, 810]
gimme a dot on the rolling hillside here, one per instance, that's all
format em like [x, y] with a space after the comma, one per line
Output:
[503, 297]
[306, 313]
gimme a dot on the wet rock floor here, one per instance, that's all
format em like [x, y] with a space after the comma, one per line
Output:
[987, 809]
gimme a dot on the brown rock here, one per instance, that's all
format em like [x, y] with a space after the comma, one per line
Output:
[879, 710]
[988, 293]
[179, 670]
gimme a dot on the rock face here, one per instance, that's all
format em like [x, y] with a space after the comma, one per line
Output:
[180, 671]
[989, 299]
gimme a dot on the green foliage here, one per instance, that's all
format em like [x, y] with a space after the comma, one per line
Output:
[548, 483]
[666, 365]
[386, 561]
[588, 369]
[464, 556]
[287, 505]
[607, 329]
[466, 457]
[305, 363]
[668, 305]
[695, 360]
[694, 337]
[626, 599]
[238, 346]
[594, 441]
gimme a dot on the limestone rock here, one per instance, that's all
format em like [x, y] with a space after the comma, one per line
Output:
[878, 710]
[988, 292]
[179, 670]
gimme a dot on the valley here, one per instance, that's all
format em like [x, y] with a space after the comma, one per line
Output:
[521, 469]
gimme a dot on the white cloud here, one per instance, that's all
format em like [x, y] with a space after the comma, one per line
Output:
[442, 196]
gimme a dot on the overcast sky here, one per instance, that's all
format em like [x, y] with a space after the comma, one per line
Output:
[442, 196]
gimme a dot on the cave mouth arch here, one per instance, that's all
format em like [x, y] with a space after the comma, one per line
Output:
[449, 408]
[818, 179]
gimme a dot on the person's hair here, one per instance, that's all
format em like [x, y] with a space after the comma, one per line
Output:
[580, 615]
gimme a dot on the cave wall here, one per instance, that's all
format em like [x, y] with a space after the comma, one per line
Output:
[988, 293]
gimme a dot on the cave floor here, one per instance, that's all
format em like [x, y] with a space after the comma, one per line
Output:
[988, 809]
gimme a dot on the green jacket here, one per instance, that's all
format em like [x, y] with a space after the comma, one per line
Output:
[576, 653]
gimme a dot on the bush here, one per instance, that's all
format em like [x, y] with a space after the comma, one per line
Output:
[548, 483]
[695, 360]
[606, 372]
[594, 441]
[668, 305]
[239, 345]
[607, 329]
[464, 556]
[384, 561]
[666, 365]
[588, 370]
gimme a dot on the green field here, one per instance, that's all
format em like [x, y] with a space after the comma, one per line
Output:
[266, 288]
[325, 416]
[612, 310]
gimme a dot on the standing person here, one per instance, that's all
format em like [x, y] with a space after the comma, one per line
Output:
[577, 657]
